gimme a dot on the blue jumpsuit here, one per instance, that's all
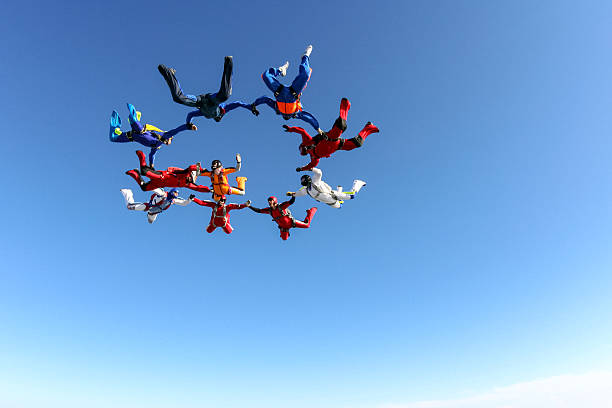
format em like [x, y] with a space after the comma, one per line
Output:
[210, 105]
[151, 139]
[288, 95]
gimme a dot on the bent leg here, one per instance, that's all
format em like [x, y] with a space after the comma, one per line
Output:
[175, 88]
[228, 228]
[211, 228]
[284, 234]
[301, 80]
[358, 140]
[225, 90]
[152, 217]
[269, 78]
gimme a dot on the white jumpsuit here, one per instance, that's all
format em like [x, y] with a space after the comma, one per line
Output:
[156, 205]
[322, 192]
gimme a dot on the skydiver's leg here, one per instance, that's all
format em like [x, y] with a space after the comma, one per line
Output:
[151, 217]
[301, 80]
[306, 223]
[175, 88]
[228, 228]
[241, 187]
[308, 118]
[340, 123]
[133, 119]
[284, 233]
[211, 228]
[269, 78]
[358, 140]
[261, 100]
[226, 83]
[122, 138]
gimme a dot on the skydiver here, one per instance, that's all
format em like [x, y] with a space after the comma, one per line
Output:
[171, 177]
[218, 177]
[282, 216]
[147, 135]
[287, 103]
[220, 216]
[324, 145]
[322, 192]
[159, 202]
[211, 106]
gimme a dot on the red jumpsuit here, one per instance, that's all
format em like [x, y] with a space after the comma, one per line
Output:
[171, 177]
[284, 219]
[324, 145]
[220, 214]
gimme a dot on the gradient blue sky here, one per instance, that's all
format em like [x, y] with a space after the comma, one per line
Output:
[477, 255]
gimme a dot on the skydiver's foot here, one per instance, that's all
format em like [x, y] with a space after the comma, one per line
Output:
[254, 110]
[135, 175]
[369, 128]
[142, 158]
[163, 69]
[345, 105]
[283, 69]
[307, 51]
[241, 183]
[309, 214]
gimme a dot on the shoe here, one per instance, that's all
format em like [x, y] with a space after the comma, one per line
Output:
[135, 175]
[134, 114]
[357, 185]
[115, 125]
[283, 69]
[309, 214]
[142, 158]
[307, 51]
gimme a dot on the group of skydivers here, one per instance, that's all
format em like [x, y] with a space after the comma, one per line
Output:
[213, 106]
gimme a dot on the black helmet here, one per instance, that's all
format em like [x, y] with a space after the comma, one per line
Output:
[215, 164]
[305, 180]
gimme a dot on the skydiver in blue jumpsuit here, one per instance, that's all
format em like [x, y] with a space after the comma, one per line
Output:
[146, 135]
[211, 106]
[287, 103]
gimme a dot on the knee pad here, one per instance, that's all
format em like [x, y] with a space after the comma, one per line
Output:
[340, 124]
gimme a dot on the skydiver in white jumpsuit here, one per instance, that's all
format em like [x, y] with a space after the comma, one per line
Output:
[160, 201]
[322, 192]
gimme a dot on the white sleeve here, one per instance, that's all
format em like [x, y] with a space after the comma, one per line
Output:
[238, 165]
[159, 192]
[180, 201]
[301, 192]
[317, 174]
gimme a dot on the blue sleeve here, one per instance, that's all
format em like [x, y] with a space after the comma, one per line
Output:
[264, 99]
[238, 104]
[171, 133]
[192, 115]
[308, 118]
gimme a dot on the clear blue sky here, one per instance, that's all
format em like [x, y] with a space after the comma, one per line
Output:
[478, 254]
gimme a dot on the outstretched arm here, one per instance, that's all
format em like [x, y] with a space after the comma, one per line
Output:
[317, 175]
[171, 133]
[181, 201]
[192, 115]
[287, 203]
[308, 118]
[238, 206]
[313, 162]
[260, 210]
[264, 99]
[204, 203]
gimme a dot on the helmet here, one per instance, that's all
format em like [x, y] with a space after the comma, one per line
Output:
[273, 199]
[215, 164]
[305, 180]
[172, 194]
[222, 198]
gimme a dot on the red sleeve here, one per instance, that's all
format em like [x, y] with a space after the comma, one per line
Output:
[235, 206]
[313, 163]
[203, 202]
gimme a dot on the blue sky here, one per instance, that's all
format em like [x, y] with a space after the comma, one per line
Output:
[477, 255]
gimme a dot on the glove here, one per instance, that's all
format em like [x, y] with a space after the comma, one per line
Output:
[238, 158]
[192, 126]
[298, 169]
[248, 203]
[192, 196]
[286, 128]
[254, 110]
[290, 193]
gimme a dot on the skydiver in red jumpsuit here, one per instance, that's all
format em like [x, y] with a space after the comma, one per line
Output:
[171, 177]
[324, 145]
[282, 216]
[220, 214]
